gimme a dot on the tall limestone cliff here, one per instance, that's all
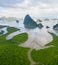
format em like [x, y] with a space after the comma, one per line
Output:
[29, 22]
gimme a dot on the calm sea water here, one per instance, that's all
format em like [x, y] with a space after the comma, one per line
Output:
[20, 25]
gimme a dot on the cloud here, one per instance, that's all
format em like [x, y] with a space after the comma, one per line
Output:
[36, 8]
[45, 1]
[9, 3]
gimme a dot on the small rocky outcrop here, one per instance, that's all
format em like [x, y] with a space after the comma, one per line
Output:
[17, 21]
[40, 26]
[55, 27]
[47, 27]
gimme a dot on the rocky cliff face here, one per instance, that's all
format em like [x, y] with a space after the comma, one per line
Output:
[40, 26]
[29, 22]
[55, 27]
[17, 21]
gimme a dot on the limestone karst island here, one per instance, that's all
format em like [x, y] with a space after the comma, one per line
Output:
[28, 32]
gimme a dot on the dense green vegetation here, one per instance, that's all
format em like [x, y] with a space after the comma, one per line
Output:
[13, 55]
[48, 56]
[39, 64]
[10, 53]
[19, 38]
[55, 40]
[3, 37]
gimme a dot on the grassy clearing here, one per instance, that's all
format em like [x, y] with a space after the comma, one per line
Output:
[47, 56]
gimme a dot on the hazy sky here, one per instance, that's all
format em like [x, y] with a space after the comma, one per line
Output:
[36, 8]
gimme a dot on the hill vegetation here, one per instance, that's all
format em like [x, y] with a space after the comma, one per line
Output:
[13, 55]
[48, 56]
[10, 52]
